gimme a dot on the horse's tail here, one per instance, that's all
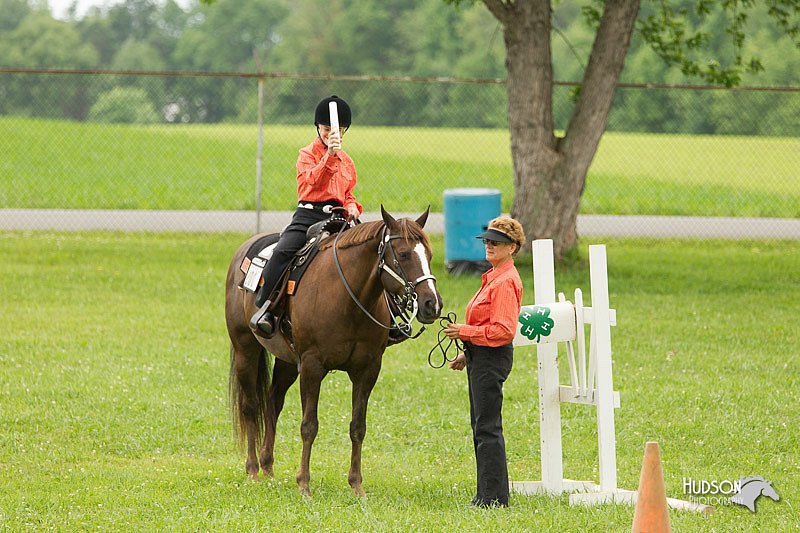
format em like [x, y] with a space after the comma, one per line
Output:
[260, 401]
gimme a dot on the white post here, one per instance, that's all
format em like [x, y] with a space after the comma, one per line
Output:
[544, 292]
[601, 330]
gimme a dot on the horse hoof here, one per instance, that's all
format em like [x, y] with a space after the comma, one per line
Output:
[305, 492]
[359, 492]
[253, 476]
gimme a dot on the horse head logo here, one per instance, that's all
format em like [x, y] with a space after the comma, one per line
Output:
[750, 488]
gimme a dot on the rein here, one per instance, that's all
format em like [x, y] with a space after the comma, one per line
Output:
[401, 321]
[440, 339]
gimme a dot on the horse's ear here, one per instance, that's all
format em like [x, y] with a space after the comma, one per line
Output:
[423, 218]
[387, 218]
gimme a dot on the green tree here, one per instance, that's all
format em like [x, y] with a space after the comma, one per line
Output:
[41, 41]
[169, 24]
[156, 24]
[228, 33]
[549, 168]
[224, 37]
[14, 12]
[137, 55]
[124, 105]
[96, 31]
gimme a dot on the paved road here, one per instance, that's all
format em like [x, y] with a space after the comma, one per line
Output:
[245, 221]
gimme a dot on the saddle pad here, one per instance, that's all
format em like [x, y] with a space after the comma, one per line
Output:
[255, 259]
[261, 244]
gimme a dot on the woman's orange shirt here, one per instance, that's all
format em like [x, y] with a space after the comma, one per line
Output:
[493, 312]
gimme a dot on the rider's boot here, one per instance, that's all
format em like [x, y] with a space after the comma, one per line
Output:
[263, 322]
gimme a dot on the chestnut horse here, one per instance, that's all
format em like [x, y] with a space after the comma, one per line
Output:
[330, 330]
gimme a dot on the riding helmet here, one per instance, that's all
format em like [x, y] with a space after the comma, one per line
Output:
[323, 116]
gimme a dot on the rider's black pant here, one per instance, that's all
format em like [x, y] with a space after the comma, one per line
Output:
[487, 369]
[292, 239]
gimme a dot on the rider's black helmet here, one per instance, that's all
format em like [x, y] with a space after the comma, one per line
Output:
[323, 116]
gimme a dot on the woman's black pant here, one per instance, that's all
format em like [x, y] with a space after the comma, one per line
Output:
[487, 370]
[292, 239]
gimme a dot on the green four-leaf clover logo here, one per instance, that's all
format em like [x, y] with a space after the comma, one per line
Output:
[536, 322]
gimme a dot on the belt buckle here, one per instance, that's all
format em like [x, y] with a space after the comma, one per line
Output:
[327, 209]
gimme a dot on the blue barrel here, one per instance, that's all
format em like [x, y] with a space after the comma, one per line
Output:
[466, 214]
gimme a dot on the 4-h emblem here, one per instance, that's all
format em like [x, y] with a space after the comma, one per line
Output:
[536, 322]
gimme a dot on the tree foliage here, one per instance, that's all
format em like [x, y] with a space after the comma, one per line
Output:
[554, 130]
[550, 168]
[124, 105]
[383, 37]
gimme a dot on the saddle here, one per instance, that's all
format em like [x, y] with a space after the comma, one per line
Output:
[314, 236]
[260, 252]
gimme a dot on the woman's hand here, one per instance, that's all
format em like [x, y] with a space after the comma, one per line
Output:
[453, 330]
[458, 363]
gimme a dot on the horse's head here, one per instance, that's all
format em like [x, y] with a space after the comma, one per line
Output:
[406, 264]
[769, 491]
[750, 488]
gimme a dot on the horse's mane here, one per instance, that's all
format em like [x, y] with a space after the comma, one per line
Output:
[368, 231]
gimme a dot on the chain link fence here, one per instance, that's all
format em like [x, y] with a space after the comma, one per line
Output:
[180, 151]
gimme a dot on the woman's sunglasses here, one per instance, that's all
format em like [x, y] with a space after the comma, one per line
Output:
[487, 242]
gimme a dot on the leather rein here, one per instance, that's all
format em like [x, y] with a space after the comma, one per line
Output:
[403, 304]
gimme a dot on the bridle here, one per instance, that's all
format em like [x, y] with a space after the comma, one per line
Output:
[402, 307]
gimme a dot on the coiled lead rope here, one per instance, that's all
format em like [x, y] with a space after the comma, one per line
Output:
[443, 348]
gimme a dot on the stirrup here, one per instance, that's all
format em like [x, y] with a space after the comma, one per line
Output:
[263, 322]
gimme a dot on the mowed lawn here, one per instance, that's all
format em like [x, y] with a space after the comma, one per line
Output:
[59, 164]
[114, 412]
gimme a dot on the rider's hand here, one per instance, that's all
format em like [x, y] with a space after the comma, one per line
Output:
[458, 363]
[353, 212]
[334, 142]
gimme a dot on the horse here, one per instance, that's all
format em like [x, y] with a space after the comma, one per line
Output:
[750, 488]
[340, 320]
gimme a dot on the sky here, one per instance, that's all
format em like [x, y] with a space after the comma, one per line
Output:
[59, 8]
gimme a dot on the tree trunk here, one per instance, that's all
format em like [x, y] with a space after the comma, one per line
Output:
[550, 172]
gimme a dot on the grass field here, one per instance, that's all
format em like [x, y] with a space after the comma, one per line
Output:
[57, 164]
[114, 410]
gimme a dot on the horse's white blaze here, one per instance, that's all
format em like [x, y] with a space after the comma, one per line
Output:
[419, 249]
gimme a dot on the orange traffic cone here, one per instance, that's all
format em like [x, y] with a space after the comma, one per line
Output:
[651, 515]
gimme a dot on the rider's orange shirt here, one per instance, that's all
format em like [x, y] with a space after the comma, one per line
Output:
[322, 177]
[493, 312]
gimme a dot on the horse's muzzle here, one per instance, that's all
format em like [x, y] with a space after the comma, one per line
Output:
[430, 307]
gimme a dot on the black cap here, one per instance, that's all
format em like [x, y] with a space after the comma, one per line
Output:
[322, 115]
[495, 235]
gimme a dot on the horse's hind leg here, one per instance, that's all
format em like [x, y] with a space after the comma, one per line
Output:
[363, 382]
[283, 376]
[249, 381]
[311, 375]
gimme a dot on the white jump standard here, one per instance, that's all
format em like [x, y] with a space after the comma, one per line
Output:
[545, 324]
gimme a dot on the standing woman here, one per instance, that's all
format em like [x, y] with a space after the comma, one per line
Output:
[491, 324]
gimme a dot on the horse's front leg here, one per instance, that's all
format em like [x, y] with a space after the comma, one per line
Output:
[363, 382]
[311, 376]
[283, 376]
